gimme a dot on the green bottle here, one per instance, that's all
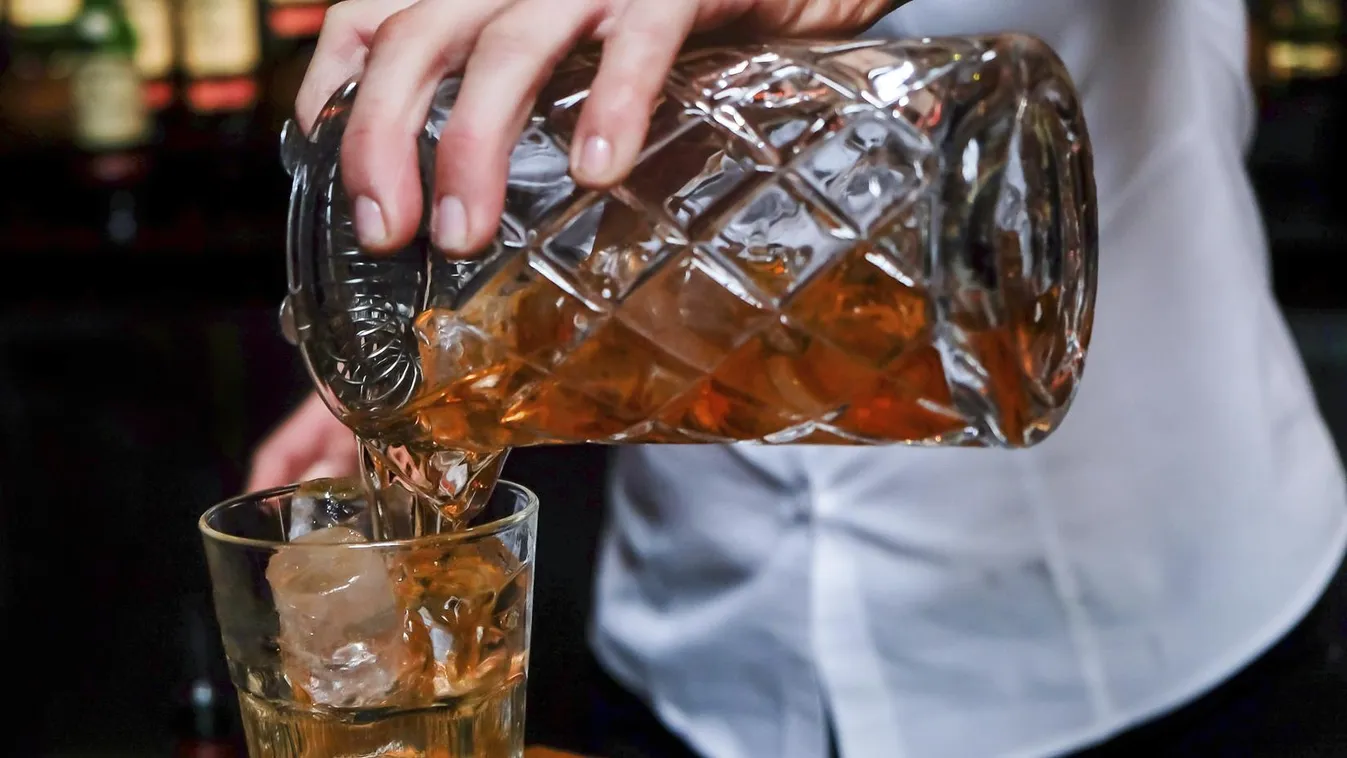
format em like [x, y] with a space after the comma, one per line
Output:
[107, 97]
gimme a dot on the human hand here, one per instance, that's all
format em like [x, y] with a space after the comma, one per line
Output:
[505, 51]
[309, 444]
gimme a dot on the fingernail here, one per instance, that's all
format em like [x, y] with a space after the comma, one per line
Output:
[369, 222]
[451, 225]
[595, 157]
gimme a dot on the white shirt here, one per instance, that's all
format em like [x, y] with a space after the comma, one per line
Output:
[959, 603]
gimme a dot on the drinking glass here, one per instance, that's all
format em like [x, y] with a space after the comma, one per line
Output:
[354, 629]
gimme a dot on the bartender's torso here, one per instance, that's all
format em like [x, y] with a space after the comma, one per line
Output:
[967, 603]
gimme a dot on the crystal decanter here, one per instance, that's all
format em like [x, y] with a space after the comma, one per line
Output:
[862, 242]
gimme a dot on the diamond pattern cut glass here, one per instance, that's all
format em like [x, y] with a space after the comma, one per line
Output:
[850, 243]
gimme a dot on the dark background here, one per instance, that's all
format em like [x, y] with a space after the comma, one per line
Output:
[137, 371]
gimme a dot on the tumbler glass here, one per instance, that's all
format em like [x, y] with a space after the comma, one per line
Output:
[341, 643]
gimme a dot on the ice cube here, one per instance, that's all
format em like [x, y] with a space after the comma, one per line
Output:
[471, 599]
[321, 503]
[346, 639]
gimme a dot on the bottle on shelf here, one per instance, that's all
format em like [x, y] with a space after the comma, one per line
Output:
[1304, 41]
[220, 57]
[220, 60]
[112, 128]
[41, 27]
[35, 87]
[153, 21]
[1303, 115]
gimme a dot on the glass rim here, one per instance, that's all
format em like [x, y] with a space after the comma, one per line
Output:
[528, 511]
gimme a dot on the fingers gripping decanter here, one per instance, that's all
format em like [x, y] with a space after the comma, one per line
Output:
[866, 242]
